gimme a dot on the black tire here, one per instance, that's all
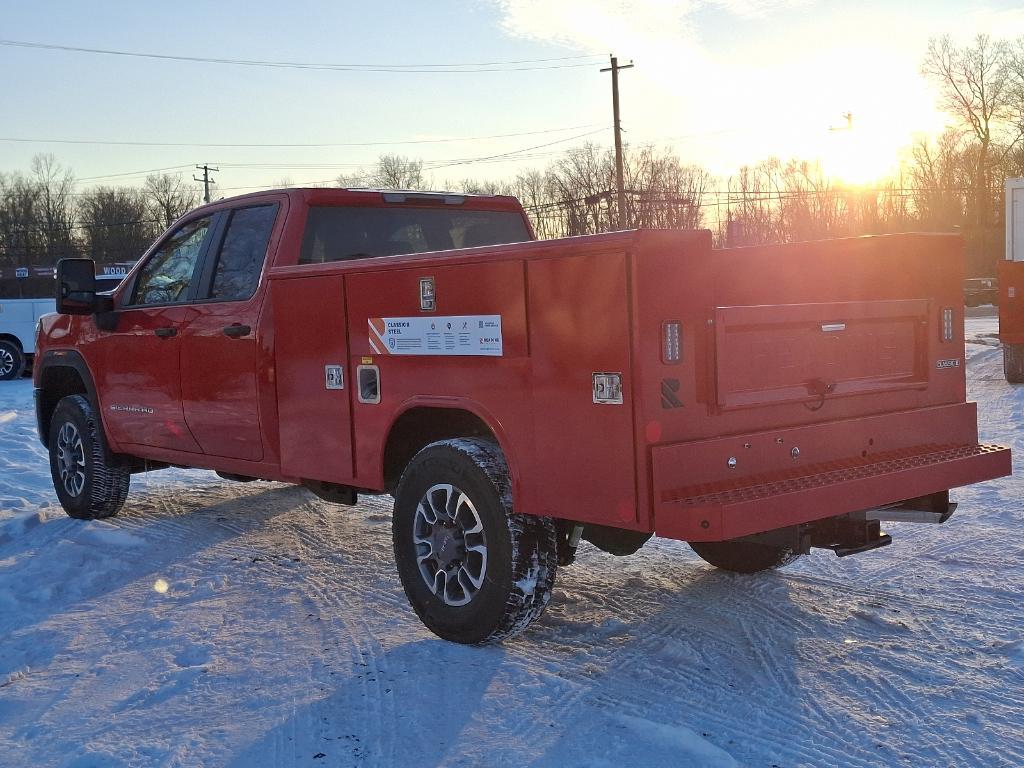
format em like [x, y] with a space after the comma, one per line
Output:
[89, 484]
[521, 552]
[743, 556]
[12, 360]
[1013, 363]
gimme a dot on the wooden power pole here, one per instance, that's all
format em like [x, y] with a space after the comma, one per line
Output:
[207, 181]
[620, 185]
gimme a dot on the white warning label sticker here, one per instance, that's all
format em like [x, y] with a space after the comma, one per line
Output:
[452, 335]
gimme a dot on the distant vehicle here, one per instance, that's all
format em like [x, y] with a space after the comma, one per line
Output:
[981, 290]
[23, 300]
[516, 397]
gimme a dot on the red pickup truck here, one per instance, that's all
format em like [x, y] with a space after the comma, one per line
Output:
[516, 397]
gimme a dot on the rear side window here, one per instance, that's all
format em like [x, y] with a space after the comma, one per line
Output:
[338, 233]
[165, 278]
[242, 253]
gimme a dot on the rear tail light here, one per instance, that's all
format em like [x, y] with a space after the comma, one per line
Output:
[947, 324]
[671, 342]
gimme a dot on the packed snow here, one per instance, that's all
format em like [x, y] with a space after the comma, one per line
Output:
[221, 624]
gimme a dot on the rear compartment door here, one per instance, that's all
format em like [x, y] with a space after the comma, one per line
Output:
[787, 353]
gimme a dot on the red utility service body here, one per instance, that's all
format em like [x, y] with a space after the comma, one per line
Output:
[812, 379]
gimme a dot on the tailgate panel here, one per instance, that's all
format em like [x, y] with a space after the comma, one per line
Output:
[806, 352]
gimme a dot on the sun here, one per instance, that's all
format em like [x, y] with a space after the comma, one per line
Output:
[860, 156]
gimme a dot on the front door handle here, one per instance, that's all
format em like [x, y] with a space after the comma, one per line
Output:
[237, 331]
[166, 333]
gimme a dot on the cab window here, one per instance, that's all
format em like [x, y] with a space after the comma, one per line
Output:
[242, 253]
[166, 276]
[339, 233]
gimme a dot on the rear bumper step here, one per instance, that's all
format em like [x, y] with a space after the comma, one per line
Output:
[900, 515]
[746, 506]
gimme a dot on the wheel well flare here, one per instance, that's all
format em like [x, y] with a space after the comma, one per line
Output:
[419, 427]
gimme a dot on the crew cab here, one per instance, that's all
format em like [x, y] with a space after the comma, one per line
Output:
[518, 396]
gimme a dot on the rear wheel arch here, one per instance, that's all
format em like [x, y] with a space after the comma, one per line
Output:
[420, 425]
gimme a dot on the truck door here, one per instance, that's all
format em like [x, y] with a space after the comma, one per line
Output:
[138, 370]
[219, 341]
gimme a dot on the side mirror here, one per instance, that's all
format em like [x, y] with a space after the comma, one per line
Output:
[76, 286]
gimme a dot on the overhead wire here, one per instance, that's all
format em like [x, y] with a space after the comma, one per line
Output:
[418, 68]
[310, 145]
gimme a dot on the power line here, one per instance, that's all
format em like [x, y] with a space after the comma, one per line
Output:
[513, 152]
[134, 173]
[316, 145]
[489, 66]
[438, 165]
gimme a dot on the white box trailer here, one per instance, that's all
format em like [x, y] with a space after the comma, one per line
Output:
[1015, 219]
[1011, 285]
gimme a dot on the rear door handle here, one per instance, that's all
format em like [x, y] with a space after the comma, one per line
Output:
[237, 331]
[165, 333]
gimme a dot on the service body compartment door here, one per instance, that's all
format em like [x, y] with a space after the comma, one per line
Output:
[313, 380]
[580, 346]
[808, 352]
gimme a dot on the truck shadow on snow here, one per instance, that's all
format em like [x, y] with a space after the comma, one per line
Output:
[81, 561]
[682, 663]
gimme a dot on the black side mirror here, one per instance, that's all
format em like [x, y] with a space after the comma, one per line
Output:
[76, 286]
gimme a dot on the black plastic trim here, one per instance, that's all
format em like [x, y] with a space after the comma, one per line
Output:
[62, 358]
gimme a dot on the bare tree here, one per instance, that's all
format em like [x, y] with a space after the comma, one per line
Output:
[390, 172]
[975, 87]
[117, 223]
[169, 197]
[55, 186]
[22, 233]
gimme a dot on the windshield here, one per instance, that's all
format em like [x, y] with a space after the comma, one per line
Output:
[336, 233]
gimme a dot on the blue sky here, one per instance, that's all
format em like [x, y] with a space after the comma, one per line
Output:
[726, 82]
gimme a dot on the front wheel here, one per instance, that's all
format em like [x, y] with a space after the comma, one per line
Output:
[89, 484]
[474, 570]
[1013, 363]
[12, 361]
[743, 556]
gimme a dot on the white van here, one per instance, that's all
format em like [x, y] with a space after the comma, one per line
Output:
[18, 319]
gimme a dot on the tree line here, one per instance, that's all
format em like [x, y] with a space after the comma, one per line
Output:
[950, 183]
[43, 218]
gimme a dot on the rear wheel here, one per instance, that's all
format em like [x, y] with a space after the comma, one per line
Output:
[743, 556]
[473, 569]
[89, 484]
[12, 361]
[1013, 363]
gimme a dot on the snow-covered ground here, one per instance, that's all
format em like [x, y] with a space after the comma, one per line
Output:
[221, 624]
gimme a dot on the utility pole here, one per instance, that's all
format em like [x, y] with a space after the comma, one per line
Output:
[207, 181]
[619, 183]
